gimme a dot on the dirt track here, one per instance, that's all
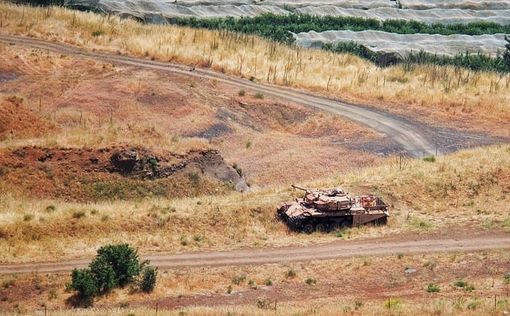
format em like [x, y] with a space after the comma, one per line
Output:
[341, 249]
[410, 137]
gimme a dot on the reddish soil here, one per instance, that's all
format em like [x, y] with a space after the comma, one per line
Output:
[16, 121]
[78, 174]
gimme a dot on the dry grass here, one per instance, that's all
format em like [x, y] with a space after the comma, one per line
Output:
[437, 92]
[357, 285]
[468, 189]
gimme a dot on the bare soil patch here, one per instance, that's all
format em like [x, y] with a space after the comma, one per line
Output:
[16, 121]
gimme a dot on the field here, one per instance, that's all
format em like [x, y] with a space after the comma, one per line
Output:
[469, 284]
[69, 125]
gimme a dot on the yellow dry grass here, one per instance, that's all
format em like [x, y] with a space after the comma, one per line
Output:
[466, 189]
[362, 286]
[443, 92]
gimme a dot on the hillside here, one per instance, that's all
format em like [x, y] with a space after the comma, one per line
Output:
[463, 99]
[184, 141]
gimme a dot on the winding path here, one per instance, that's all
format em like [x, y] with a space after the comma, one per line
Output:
[408, 136]
[334, 250]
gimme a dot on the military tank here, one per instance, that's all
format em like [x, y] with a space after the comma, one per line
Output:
[329, 209]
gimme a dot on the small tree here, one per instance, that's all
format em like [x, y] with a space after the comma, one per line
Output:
[148, 281]
[124, 261]
[83, 282]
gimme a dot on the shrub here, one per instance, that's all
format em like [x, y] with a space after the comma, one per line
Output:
[241, 93]
[268, 282]
[50, 208]
[148, 281]
[114, 265]
[469, 288]
[311, 281]
[259, 95]
[97, 33]
[290, 274]
[460, 283]
[83, 282]
[103, 274]
[473, 305]
[429, 159]
[124, 261]
[28, 217]
[433, 288]
[79, 214]
[238, 279]
[506, 278]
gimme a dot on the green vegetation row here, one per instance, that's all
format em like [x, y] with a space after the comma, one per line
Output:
[278, 27]
[476, 62]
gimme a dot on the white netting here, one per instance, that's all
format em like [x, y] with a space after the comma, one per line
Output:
[150, 10]
[427, 16]
[378, 41]
[456, 4]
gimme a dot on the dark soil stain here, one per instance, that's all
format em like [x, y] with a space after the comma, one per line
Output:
[7, 76]
[216, 130]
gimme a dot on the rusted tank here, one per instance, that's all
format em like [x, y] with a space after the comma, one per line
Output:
[329, 209]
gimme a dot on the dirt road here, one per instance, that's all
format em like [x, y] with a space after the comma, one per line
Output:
[340, 249]
[411, 138]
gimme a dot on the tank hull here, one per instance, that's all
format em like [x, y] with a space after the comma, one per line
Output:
[318, 211]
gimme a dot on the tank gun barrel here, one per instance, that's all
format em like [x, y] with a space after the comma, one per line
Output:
[300, 188]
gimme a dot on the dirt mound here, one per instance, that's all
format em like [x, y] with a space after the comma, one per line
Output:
[116, 172]
[16, 121]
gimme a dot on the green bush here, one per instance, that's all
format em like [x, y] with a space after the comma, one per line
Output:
[103, 274]
[311, 281]
[114, 265]
[429, 159]
[460, 283]
[148, 281]
[79, 214]
[290, 274]
[506, 278]
[433, 288]
[124, 261]
[83, 282]
[238, 279]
